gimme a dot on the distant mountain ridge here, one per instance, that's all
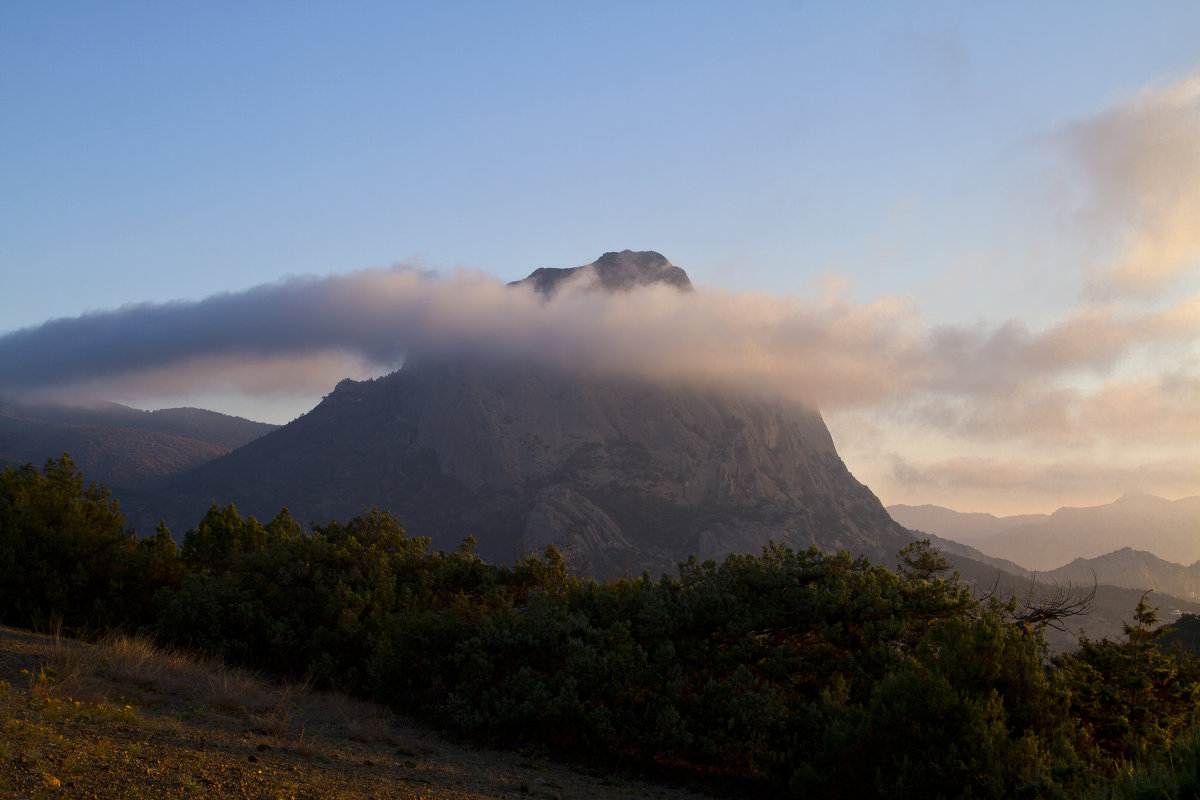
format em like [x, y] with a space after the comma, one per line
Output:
[1120, 577]
[118, 445]
[967, 527]
[1135, 569]
[1168, 529]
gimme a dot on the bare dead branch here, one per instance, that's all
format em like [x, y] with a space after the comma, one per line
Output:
[1054, 604]
[990, 593]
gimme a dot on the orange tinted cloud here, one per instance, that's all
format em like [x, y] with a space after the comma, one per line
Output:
[1141, 162]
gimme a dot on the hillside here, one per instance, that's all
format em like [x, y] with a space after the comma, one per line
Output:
[121, 446]
[122, 719]
[1135, 569]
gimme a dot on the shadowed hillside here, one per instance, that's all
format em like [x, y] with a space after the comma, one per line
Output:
[118, 445]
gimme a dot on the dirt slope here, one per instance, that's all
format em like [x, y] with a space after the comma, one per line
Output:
[121, 720]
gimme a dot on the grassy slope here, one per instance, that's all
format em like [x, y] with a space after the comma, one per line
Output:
[120, 719]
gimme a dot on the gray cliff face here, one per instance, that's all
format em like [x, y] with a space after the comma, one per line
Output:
[621, 474]
[630, 474]
[503, 426]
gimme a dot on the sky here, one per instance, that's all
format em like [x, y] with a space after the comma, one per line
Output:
[969, 233]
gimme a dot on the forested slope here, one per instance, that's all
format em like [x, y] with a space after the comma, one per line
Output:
[802, 672]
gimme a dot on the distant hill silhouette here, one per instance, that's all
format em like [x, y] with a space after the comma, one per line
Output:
[968, 528]
[1123, 573]
[1135, 569]
[1168, 529]
[121, 446]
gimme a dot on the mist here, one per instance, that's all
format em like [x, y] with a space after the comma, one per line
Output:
[301, 335]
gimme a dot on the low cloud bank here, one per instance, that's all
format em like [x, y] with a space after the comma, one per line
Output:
[301, 334]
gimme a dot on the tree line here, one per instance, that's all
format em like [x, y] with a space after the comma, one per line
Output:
[789, 672]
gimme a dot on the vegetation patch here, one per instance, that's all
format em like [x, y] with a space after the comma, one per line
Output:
[786, 673]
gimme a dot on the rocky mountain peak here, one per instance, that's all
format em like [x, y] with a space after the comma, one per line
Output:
[624, 474]
[613, 272]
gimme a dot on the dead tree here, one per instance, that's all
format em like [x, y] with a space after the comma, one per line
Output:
[1049, 606]
[1055, 604]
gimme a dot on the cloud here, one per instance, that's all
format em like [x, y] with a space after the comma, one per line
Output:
[301, 335]
[298, 334]
[1140, 161]
[975, 360]
[1155, 409]
[301, 376]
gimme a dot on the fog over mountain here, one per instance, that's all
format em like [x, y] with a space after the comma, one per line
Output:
[965, 527]
[904, 392]
[293, 335]
[621, 472]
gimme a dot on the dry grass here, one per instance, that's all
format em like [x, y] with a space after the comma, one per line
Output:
[236, 690]
[136, 659]
[354, 719]
[66, 667]
[122, 718]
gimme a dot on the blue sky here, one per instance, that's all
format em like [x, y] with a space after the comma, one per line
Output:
[945, 159]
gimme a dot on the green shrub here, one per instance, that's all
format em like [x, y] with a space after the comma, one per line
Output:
[68, 556]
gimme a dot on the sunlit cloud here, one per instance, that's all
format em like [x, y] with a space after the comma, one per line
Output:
[1141, 162]
[298, 376]
[301, 334]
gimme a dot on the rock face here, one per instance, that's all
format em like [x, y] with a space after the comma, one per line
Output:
[622, 475]
[613, 272]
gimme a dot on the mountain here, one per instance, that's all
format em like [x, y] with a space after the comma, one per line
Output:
[121, 446]
[624, 475]
[959, 551]
[962, 527]
[612, 272]
[1168, 529]
[1134, 569]
[1120, 576]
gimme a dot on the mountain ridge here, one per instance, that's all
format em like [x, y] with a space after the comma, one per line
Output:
[1128, 543]
[118, 445]
[1168, 528]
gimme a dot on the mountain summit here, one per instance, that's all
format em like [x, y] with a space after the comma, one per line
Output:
[612, 272]
[622, 474]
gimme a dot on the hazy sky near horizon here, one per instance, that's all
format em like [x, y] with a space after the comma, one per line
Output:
[970, 234]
